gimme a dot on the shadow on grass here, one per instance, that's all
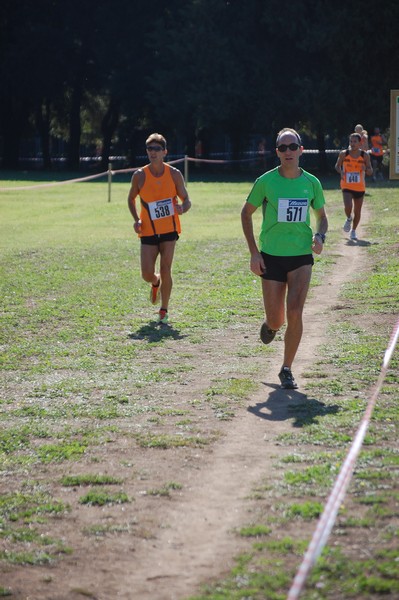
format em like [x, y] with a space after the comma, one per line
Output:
[155, 332]
[360, 242]
[291, 404]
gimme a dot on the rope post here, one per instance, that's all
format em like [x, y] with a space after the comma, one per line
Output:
[186, 168]
[109, 181]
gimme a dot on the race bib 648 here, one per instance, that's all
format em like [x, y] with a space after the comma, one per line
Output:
[352, 177]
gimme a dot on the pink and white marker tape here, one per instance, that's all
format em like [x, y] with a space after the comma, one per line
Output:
[327, 519]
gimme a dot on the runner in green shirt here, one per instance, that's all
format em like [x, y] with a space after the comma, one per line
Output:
[286, 243]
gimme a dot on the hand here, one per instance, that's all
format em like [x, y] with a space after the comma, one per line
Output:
[137, 226]
[257, 264]
[317, 245]
[179, 208]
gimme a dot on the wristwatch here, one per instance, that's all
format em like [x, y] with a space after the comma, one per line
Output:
[321, 236]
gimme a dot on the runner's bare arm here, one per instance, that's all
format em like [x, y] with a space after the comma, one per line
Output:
[369, 168]
[257, 264]
[136, 184]
[338, 164]
[321, 228]
[181, 192]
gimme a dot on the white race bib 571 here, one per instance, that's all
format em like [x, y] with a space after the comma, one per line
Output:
[292, 210]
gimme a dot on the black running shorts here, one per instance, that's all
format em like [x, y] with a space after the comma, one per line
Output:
[277, 267]
[354, 194]
[155, 240]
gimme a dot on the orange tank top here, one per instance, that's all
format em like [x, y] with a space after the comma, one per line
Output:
[158, 198]
[376, 145]
[364, 143]
[353, 173]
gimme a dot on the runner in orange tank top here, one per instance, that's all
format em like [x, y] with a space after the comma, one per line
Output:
[353, 165]
[159, 187]
[378, 141]
[364, 138]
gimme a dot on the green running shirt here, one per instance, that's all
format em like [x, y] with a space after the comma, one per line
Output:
[286, 206]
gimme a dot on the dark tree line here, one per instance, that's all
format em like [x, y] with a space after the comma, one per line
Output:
[190, 69]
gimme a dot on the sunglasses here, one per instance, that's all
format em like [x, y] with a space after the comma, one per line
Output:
[154, 148]
[285, 147]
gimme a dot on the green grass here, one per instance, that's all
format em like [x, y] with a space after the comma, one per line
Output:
[165, 489]
[24, 521]
[84, 365]
[307, 510]
[164, 441]
[100, 498]
[352, 360]
[255, 531]
[87, 479]
[29, 506]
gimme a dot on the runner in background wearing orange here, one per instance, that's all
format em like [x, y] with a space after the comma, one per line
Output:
[353, 164]
[364, 138]
[158, 186]
[377, 152]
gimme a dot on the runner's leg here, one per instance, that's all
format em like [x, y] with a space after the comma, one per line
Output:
[149, 256]
[357, 211]
[374, 164]
[167, 250]
[273, 300]
[347, 197]
[298, 285]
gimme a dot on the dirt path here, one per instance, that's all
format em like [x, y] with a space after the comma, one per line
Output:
[181, 543]
[200, 542]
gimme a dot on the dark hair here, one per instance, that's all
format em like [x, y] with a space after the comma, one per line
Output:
[288, 130]
[357, 135]
[156, 137]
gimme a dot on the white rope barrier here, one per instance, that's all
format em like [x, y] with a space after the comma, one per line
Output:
[132, 169]
[53, 184]
[327, 519]
[222, 161]
[112, 172]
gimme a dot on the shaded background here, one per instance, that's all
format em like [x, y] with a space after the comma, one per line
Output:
[216, 77]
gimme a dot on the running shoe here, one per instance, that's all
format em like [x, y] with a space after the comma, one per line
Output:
[347, 224]
[163, 316]
[353, 235]
[287, 379]
[155, 292]
[267, 334]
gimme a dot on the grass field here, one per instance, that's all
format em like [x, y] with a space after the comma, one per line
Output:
[80, 354]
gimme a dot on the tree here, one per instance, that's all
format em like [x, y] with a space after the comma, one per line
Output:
[209, 68]
[15, 103]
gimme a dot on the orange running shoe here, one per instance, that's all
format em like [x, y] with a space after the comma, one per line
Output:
[163, 316]
[155, 292]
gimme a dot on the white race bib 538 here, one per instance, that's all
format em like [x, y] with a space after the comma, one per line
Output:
[161, 209]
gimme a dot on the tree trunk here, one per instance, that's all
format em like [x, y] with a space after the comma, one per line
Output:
[238, 139]
[108, 126]
[14, 117]
[322, 151]
[75, 129]
[43, 126]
